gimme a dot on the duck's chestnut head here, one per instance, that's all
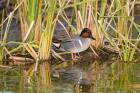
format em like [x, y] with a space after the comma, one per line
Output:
[86, 33]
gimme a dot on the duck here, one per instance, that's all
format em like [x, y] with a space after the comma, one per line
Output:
[75, 45]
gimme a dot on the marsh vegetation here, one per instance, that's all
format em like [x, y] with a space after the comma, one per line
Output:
[29, 64]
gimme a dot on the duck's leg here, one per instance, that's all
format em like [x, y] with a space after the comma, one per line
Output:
[75, 56]
[78, 55]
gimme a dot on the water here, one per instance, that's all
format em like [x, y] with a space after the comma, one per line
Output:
[114, 78]
[107, 77]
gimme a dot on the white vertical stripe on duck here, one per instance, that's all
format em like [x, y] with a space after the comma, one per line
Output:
[80, 42]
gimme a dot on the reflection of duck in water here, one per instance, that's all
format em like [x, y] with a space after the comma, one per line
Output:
[83, 85]
[79, 78]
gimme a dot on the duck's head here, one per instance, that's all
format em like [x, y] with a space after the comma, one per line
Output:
[86, 33]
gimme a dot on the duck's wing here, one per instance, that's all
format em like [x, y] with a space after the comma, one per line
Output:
[65, 45]
[72, 46]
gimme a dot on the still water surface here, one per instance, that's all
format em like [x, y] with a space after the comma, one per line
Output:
[107, 77]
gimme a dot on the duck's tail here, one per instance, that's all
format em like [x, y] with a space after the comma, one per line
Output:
[57, 47]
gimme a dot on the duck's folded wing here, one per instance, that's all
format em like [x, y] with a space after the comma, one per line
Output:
[72, 46]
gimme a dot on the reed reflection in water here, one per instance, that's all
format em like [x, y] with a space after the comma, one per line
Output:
[107, 77]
